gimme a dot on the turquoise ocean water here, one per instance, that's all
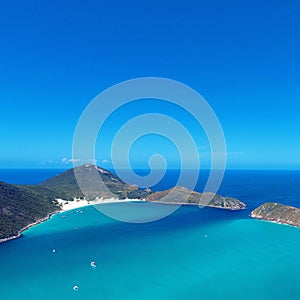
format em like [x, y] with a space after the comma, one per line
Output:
[192, 254]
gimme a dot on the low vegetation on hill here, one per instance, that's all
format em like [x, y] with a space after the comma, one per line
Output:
[23, 205]
[278, 213]
[65, 185]
[181, 195]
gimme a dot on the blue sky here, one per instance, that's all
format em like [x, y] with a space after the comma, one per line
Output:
[243, 57]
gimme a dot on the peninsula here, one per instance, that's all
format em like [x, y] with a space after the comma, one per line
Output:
[22, 206]
[183, 196]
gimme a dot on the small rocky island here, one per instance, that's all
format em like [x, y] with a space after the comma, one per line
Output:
[183, 196]
[277, 213]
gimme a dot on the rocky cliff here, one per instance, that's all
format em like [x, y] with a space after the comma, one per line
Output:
[278, 213]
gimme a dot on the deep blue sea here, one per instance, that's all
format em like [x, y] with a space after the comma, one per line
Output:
[192, 254]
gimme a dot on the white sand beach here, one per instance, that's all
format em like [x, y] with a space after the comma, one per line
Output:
[78, 203]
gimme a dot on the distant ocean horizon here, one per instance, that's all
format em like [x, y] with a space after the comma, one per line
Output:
[253, 187]
[192, 254]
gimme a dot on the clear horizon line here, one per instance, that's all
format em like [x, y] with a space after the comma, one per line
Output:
[177, 169]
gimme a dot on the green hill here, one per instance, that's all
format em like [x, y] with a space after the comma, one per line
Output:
[65, 185]
[278, 213]
[178, 195]
[21, 206]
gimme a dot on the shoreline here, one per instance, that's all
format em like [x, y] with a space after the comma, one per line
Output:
[67, 206]
[70, 205]
[39, 221]
[197, 204]
[274, 222]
